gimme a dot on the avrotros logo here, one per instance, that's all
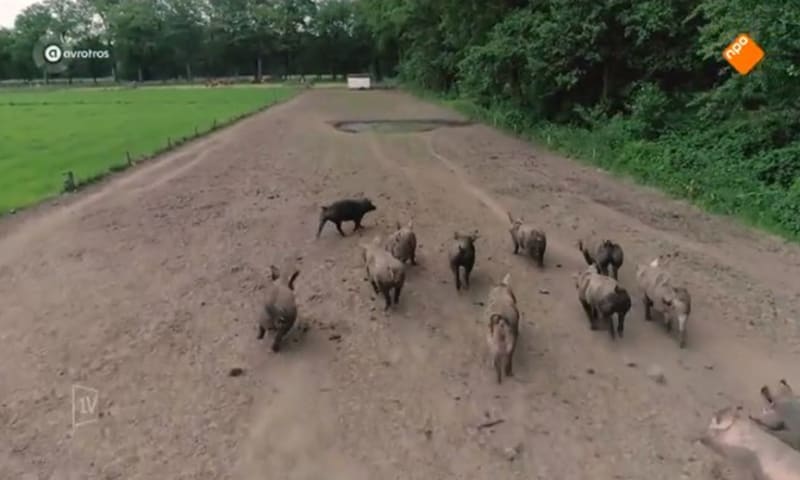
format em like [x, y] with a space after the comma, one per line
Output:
[54, 55]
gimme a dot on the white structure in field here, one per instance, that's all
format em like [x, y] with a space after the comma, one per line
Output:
[359, 81]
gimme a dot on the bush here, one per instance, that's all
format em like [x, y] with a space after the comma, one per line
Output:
[729, 168]
[649, 108]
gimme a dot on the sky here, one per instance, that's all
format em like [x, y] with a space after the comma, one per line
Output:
[9, 10]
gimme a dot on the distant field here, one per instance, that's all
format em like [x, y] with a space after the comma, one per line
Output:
[88, 131]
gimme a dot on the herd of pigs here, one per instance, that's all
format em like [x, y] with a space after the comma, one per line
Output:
[766, 446]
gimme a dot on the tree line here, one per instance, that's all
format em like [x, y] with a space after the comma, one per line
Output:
[167, 39]
[639, 86]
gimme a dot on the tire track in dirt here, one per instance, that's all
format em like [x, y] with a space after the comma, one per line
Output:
[152, 297]
[488, 201]
[765, 260]
[635, 350]
[715, 344]
[545, 337]
[133, 182]
[712, 343]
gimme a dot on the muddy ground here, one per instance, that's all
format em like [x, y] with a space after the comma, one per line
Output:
[146, 288]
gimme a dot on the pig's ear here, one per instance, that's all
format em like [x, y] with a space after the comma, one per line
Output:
[785, 386]
[766, 394]
[723, 418]
[274, 272]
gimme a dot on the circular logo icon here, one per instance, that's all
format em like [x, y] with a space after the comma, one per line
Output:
[53, 53]
[48, 54]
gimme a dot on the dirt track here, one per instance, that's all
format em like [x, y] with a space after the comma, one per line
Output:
[147, 288]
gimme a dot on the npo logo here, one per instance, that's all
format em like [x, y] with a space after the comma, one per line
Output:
[54, 55]
[743, 54]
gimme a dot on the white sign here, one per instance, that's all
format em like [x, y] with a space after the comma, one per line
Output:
[358, 82]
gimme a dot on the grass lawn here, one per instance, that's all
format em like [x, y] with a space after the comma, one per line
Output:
[45, 133]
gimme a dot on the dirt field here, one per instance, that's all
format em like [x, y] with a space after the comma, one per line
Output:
[147, 287]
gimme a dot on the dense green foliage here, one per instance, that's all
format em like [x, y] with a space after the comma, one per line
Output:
[638, 87]
[165, 39]
[90, 131]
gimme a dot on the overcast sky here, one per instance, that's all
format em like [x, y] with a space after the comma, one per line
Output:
[9, 10]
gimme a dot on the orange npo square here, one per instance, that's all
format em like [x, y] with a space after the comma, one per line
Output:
[743, 54]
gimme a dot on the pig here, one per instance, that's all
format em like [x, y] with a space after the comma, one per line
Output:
[605, 253]
[750, 448]
[462, 255]
[403, 243]
[347, 210]
[280, 307]
[781, 416]
[660, 293]
[602, 297]
[503, 315]
[527, 238]
[385, 273]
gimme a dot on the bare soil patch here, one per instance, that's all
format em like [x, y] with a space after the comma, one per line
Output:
[147, 287]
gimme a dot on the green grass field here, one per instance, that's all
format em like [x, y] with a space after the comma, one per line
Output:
[89, 130]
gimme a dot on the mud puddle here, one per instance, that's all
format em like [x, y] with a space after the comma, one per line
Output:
[397, 126]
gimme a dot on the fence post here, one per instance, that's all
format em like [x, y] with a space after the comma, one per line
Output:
[69, 181]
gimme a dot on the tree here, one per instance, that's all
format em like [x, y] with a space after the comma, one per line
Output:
[7, 67]
[185, 24]
[33, 23]
[137, 29]
[150, 39]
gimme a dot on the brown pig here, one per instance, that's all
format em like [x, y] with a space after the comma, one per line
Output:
[503, 315]
[386, 274]
[781, 416]
[751, 449]
[461, 255]
[661, 293]
[528, 238]
[601, 297]
[280, 307]
[605, 253]
[403, 243]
